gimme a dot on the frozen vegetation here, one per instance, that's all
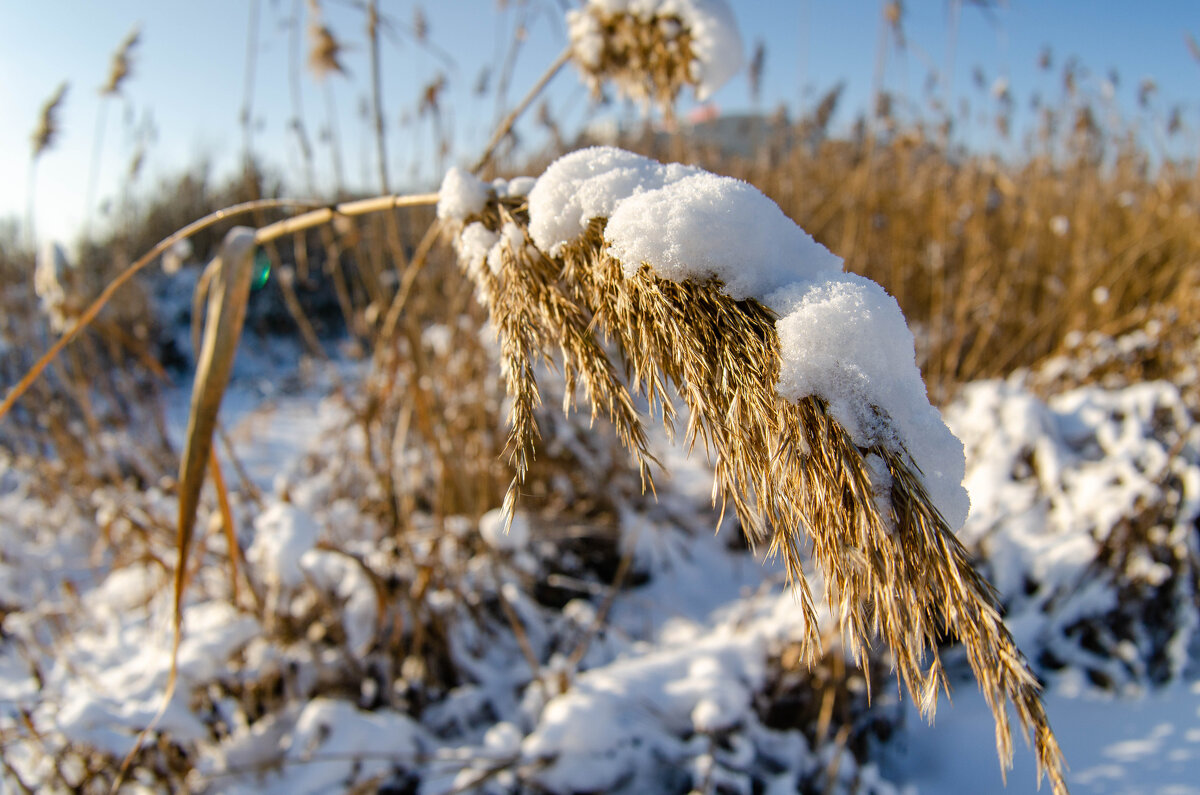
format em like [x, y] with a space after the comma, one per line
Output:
[623, 649]
[672, 685]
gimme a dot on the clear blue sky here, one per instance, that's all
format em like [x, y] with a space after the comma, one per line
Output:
[190, 75]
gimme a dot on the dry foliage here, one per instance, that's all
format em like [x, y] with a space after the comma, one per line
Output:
[48, 125]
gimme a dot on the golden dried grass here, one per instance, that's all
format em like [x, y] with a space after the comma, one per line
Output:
[891, 565]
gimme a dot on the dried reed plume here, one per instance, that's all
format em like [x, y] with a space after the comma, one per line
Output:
[122, 65]
[792, 473]
[650, 59]
[47, 129]
[324, 49]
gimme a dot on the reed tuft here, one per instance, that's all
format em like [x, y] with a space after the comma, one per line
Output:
[795, 478]
[122, 63]
[651, 51]
[48, 127]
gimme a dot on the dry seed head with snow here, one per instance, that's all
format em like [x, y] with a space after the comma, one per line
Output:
[652, 49]
[798, 379]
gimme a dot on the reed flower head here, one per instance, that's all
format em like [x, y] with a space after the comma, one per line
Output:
[324, 50]
[48, 126]
[122, 63]
[798, 379]
[652, 49]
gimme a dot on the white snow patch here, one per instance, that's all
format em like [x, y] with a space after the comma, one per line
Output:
[589, 184]
[462, 195]
[704, 226]
[282, 534]
[845, 340]
[495, 535]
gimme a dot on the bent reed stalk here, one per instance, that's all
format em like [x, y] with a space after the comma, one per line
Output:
[891, 565]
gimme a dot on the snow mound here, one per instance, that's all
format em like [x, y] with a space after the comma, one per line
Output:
[462, 194]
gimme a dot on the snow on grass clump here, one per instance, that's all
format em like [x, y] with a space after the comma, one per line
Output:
[651, 48]
[842, 337]
[282, 534]
[799, 379]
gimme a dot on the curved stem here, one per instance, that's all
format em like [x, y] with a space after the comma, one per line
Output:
[324, 215]
[106, 295]
[506, 126]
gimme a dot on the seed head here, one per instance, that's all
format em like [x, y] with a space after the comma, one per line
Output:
[652, 50]
[323, 47]
[122, 63]
[48, 127]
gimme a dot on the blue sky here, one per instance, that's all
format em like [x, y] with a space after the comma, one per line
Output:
[190, 76]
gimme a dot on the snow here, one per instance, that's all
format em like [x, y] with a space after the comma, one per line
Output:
[1148, 744]
[500, 538]
[704, 226]
[669, 692]
[842, 337]
[589, 183]
[283, 533]
[1051, 481]
[462, 194]
[846, 340]
[49, 273]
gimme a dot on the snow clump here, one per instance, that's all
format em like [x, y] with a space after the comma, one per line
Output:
[842, 337]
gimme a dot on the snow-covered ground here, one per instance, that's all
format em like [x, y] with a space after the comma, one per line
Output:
[667, 685]
[1141, 744]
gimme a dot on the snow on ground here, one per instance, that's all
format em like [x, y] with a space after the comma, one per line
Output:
[1147, 744]
[672, 693]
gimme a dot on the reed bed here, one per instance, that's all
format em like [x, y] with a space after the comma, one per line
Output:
[998, 264]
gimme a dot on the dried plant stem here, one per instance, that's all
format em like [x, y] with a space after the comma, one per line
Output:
[324, 215]
[106, 295]
[94, 166]
[296, 94]
[505, 126]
